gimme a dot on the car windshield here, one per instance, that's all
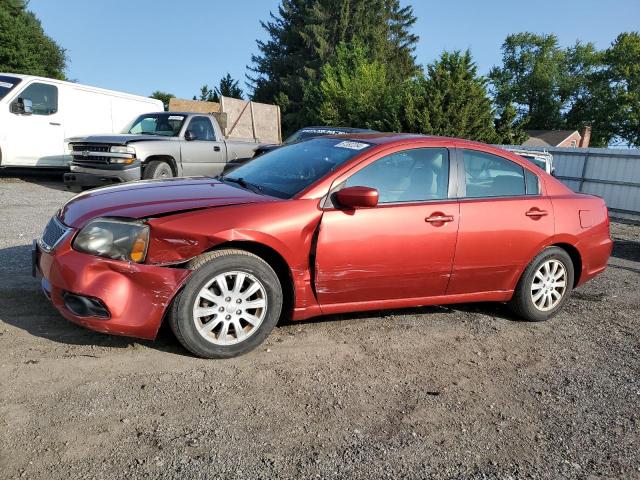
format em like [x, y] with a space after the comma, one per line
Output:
[163, 124]
[287, 171]
[307, 133]
[7, 84]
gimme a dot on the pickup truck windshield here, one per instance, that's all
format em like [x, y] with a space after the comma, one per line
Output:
[7, 84]
[163, 124]
[287, 171]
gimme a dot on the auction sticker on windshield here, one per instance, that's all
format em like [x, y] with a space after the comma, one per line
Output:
[176, 117]
[6, 85]
[352, 145]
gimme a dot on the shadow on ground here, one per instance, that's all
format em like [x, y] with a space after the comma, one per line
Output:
[626, 250]
[49, 178]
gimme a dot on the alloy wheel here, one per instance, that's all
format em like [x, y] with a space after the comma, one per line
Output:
[549, 285]
[230, 308]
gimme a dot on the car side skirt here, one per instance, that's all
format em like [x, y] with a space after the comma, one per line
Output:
[495, 296]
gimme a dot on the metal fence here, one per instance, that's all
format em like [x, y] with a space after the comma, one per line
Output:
[610, 173]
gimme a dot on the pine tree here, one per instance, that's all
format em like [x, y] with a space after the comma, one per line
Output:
[354, 91]
[24, 47]
[228, 87]
[304, 35]
[456, 101]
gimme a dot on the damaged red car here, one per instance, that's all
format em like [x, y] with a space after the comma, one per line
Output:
[329, 225]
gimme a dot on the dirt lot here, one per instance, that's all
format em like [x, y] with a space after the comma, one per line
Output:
[458, 393]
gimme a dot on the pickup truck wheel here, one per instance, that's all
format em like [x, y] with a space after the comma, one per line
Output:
[157, 169]
[229, 306]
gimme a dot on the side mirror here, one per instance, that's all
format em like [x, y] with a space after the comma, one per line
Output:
[27, 106]
[354, 197]
[189, 136]
[22, 106]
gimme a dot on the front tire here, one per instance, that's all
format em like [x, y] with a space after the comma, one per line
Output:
[157, 170]
[229, 305]
[544, 286]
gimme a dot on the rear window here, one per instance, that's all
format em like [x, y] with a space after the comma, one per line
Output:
[7, 84]
[488, 175]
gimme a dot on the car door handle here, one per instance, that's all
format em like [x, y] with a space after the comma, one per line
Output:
[56, 124]
[216, 148]
[439, 218]
[534, 212]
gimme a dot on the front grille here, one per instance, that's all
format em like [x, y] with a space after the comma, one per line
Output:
[53, 233]
[80, 153]
[93, 147]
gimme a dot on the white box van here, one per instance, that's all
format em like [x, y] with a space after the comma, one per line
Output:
[37, 114]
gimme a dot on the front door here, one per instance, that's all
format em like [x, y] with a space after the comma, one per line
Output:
[504, 220]
[401, 249]
[203, 153]
[36, 139]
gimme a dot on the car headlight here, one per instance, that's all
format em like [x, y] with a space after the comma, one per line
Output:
[129, 151]
[113, 238]
[122, 149]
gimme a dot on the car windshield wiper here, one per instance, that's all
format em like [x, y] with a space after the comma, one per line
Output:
[244, 184]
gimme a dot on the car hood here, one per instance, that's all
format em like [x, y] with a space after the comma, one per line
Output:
[122, 139]
[153, 198]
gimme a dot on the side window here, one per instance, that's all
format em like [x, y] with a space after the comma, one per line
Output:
[201, 128]
[409, 176]
[532, 183]
[44, 98]
[488, 175]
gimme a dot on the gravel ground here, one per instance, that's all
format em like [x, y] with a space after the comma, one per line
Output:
[452, 393]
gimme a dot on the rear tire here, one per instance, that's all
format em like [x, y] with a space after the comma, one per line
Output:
[230, 304]
[544, 286]
[157, 169]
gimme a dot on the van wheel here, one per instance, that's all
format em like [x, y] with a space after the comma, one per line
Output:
[544, 286]
[157, 169]
[230, 304]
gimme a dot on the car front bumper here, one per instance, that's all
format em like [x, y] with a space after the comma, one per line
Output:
[82, 177]
[136, 296]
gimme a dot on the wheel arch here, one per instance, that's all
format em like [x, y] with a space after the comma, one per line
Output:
[274, 259]
[576, 259]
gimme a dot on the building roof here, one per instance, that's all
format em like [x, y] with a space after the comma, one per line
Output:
[547, 138]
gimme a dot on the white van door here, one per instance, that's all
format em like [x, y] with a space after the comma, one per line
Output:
[36, 139]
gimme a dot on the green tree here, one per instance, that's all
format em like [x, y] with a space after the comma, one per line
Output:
[532, 77]
[304, 36]
[622, 61]
[609, 98]
[456, 101]
[508, 130]
[354, 91]
[206, 94]
[24, 47]
[227, 87]
[164, 97]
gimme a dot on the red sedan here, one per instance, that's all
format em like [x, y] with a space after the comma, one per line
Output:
[333, 224]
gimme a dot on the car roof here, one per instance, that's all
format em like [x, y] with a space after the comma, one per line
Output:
[399, 138]
[343, 129]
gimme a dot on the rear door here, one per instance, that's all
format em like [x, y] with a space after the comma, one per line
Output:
[204, 154]
[401, 249]
[504, 221]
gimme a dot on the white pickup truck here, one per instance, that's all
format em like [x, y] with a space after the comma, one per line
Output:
[155, 145]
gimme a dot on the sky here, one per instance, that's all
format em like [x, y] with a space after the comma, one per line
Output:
[139, 46]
